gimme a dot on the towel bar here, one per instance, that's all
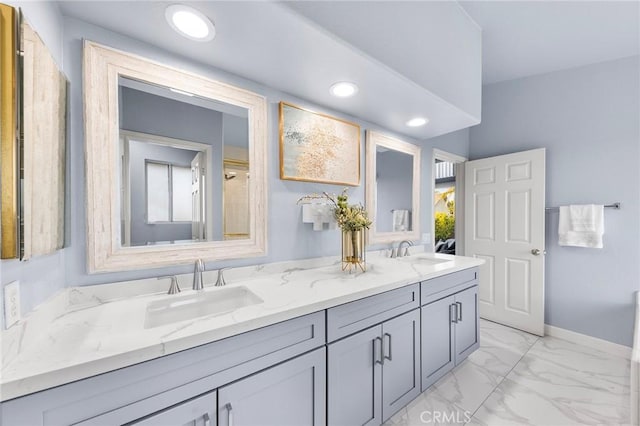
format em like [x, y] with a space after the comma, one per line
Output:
[608, 206]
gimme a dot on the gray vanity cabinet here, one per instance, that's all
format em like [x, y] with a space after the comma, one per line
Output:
[449, 328]
[290, 394]
[466, 324]
[355, 379]
[375, 372]
[438, 351]
[199, 411]
[401, 362]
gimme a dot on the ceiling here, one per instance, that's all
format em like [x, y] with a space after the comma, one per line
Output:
[272, 44]
[402, 54]
[523, 38]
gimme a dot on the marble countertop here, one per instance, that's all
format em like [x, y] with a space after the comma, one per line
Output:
[84, 331]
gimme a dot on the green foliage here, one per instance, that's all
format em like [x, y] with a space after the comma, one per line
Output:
[446, 223]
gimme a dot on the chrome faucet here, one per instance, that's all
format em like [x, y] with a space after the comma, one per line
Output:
[197, 275]
[400, 253]
[220, 281]
[174, 288]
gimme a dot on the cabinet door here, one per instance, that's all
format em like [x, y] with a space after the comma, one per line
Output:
[401, 362]
[466, 332]
[289, 394]
[437, 340]
[199, 411]
[354, 379]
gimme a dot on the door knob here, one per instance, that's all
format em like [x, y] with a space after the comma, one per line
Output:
[537, 252]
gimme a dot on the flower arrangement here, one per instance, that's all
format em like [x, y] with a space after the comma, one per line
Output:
[352, 217]
[353, 220]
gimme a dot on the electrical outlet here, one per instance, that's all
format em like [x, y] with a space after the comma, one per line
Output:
[11, 304]
[426, 238]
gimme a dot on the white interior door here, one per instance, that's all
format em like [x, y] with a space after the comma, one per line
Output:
[504, 225]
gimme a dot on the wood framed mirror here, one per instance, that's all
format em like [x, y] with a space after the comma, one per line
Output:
[392, 188]
[33, 141]
[160, 143]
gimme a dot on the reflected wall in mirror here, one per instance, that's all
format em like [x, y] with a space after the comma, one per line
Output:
[393, 189]
[394, 180]
[34, 104]
[175, 148]
[175, 165]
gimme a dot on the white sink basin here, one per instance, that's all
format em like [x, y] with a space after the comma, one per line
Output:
[423, 260]
[212, 302]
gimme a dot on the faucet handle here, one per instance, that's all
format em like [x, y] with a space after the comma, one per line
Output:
[220, 281]
[406, 250]
[197, 275]
[174, 288]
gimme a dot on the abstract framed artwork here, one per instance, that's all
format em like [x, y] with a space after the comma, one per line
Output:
[318, 148]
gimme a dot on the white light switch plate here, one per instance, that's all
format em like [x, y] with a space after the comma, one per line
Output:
[11, 304]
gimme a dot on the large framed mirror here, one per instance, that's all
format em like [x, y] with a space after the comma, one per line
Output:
[33, 140]
[176, 165]
[392, 188]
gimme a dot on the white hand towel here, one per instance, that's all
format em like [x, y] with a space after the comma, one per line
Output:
[586, 230]
[582, 218]
[400, 220]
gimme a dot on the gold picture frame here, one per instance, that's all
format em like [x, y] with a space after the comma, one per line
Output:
[317, 147]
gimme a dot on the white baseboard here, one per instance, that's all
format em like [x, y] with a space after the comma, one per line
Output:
[588, 341]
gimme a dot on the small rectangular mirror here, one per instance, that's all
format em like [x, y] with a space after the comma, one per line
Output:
[393, 189]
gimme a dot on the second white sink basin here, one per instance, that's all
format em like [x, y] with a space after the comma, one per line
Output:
[190, 306]
[423, 260]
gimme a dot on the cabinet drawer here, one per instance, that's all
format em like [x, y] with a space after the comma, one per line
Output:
[440, 287]
[351, 317]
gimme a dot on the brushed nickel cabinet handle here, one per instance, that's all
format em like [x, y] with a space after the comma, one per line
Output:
[230, 413]
[378, 356]
[388, 338]
[459, 310]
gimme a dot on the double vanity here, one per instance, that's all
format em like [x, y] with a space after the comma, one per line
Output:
[340, 349]
[169, 147]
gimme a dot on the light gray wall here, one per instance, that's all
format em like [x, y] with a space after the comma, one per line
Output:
[288, 238]
[394, 180]
[41, 276]
[588, 120]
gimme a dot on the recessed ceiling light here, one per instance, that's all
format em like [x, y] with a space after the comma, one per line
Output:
[417, 122]
[343, 89]
[190, 23]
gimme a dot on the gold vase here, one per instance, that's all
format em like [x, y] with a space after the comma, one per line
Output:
[353, 250]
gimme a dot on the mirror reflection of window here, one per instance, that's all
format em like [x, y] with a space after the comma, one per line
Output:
[168, 193]
[175, 147]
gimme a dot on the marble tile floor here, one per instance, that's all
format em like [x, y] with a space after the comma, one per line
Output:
[516, 378]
